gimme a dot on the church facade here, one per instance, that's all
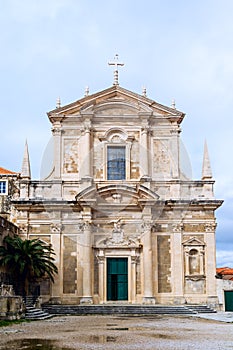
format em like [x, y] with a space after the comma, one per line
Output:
[126, 222]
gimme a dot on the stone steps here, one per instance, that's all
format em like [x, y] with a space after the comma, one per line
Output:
[126, 309]
[36, 314]
[201, 309]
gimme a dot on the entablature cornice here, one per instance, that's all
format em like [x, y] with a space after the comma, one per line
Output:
[40, 205]
[193, 204]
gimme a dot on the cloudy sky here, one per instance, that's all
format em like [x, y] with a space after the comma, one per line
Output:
[176, 49]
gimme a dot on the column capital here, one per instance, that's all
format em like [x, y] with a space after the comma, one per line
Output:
[177, 227]
[147, 225]
[56, 131]
[87, 225]
[56, 128]
[210, 227]
[100, 256]
[145, 129]
[56, 228]
[135, 259]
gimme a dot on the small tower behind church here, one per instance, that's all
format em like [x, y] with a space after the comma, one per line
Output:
[26, 169]
[207, 178]
[206, 167]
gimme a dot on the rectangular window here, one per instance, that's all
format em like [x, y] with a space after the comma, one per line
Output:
[116, 163]
[3, 187]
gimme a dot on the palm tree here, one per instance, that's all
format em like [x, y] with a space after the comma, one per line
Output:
[27, 260]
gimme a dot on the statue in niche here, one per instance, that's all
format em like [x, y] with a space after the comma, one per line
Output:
[194, 263]
[194, 253]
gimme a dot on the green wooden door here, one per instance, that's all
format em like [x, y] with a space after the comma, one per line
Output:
[117, 279]
[228, 300]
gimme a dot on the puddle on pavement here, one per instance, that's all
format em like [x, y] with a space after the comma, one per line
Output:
[118, 329]
[101, 339]
[32, 344]
[41, 344]
[160, 336]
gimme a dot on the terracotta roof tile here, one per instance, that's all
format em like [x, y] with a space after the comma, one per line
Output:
[4, 171]
[224, 270]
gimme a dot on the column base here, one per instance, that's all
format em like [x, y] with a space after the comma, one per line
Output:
[145, 178]
[87, 179]
[148, 300]
[55, 300]
[86, 300]
[179, 300]
[213, 302]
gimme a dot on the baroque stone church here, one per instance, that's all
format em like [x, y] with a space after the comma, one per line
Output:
[125, 220]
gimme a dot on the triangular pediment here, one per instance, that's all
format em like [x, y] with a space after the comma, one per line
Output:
[115, 101]
[194, 241]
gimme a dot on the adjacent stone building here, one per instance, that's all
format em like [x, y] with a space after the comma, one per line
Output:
[125, 219]
[9, 189]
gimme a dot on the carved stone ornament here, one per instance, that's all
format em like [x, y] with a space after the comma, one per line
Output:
[56, 228]
[23, 228]
[156, 228]
[87, 225]
[100, 258]
[118, 239]
[56, 128]
[80, 227]
[210, 227]
[117, 198]
[56, 131]
[6, 290]
[147, 225]
[177, 227]
[135, 259]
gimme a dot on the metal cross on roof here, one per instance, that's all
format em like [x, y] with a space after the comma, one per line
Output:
[116, 64]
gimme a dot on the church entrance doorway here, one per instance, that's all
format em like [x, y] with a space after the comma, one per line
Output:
[117, 279]
[228, 300]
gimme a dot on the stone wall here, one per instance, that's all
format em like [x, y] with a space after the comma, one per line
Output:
[164, 264]
[223, 285]
[11, 308]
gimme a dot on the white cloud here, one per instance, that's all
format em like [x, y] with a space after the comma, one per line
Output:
[224, 258]
[31, 10]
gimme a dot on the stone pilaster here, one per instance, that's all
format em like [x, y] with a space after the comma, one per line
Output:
[134, 259]
[210, 259]
[87, 160]
[177, 263]
[56, 232]
[144, 152]
[144, 144]
[86, 263]
[86, 156]
[56, 130]
[101, 260]
[175, 151]
[148, 297]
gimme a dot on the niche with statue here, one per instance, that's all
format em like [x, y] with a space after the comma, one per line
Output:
[194, 265]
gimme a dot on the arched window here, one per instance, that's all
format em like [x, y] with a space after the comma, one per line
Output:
[117, 151]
